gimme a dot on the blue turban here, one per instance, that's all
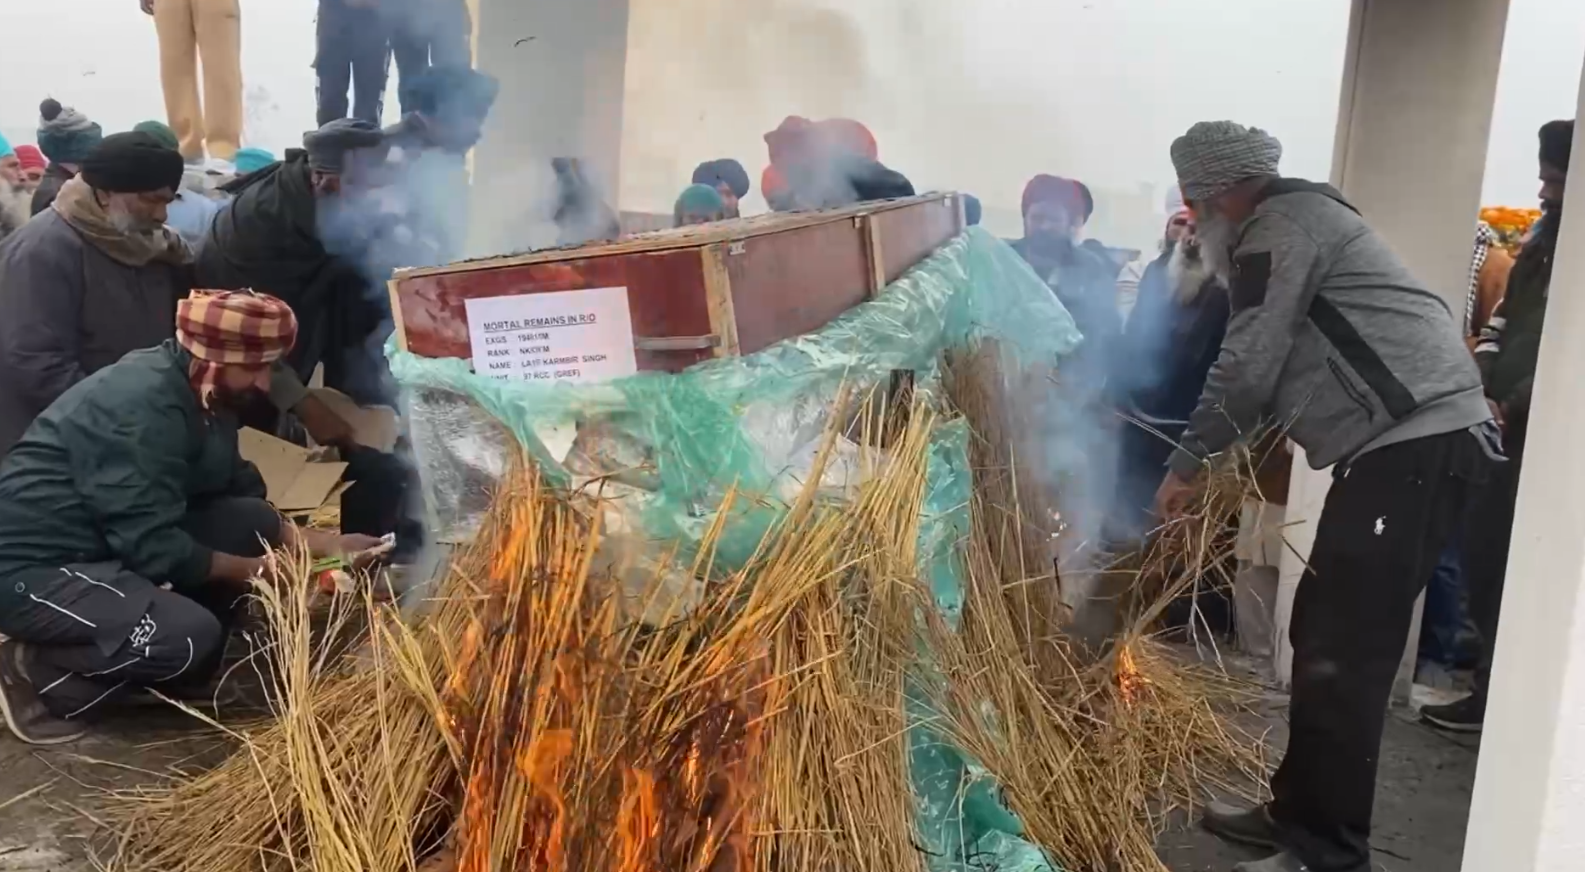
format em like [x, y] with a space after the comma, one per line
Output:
[248, 160]
[700, 201]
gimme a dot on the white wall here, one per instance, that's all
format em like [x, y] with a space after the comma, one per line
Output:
[980, 96]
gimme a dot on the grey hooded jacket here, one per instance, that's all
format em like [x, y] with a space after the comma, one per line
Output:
[1331, 338]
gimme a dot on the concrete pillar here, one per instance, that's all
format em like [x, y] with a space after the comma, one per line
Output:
[562, 67]
[1412, 128]
[1530, 786]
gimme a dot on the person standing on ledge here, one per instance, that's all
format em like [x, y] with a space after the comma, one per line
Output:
[210, 31]
[1332, 339]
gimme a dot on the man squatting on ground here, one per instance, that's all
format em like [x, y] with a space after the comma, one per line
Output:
[130, 525]
[1332, 338]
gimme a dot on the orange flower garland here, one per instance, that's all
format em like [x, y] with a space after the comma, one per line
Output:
[1511, 224]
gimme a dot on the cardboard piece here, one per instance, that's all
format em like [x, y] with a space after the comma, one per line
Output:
[294, 482]
[375, 427]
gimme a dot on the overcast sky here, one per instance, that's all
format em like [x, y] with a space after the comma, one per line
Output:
[991, 89]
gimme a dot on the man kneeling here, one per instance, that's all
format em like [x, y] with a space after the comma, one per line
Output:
[130, 526]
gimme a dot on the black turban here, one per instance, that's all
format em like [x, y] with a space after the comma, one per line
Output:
[132, 163]
[725, 171]
[1557, 140]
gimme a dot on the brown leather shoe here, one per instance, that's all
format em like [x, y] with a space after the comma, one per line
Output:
[24, 712]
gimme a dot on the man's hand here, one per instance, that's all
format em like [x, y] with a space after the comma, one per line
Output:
[1498, 413]
[322, 422]
[147, 6]
[1173, 496]
[238, 570]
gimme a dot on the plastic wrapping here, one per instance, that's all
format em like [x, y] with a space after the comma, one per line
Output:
[668, 447]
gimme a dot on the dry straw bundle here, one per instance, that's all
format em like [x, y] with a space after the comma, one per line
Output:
[528, 722]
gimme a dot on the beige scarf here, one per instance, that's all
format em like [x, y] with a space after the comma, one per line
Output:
[76, 203]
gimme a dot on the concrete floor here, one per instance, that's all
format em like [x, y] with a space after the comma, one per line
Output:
[1422, 796]
[1422, 803]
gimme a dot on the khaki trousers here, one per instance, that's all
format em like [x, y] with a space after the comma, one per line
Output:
[211, 30]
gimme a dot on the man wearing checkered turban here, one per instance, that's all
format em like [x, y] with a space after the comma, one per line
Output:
[130, 525]
[1332, 341]
[233, 338]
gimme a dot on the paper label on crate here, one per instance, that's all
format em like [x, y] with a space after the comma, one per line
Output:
[580, 336]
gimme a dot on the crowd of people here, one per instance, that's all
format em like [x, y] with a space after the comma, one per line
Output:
[163, 287]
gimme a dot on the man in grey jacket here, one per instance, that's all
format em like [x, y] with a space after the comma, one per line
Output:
[1333, 340]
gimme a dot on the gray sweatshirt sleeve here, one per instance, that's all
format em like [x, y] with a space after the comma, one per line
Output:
[1275, 272]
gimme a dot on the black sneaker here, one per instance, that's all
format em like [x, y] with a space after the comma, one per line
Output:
[1246, 826]
[24, 712]
[1460, 716]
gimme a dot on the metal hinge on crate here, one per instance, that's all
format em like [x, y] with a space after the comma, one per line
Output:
[677, 343]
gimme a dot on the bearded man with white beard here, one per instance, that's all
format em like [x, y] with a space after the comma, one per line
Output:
[1171, 339]
[90, 278]
[1334, 341]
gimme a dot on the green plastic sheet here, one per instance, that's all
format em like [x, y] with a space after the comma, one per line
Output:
[753, 423]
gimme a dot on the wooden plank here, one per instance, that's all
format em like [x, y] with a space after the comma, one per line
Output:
[663, 291]
[796, 281]
[908, 236]
[718, 298]
[681, 237]
[875, 253]
[399, 327]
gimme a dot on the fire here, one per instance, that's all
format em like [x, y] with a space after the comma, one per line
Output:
[638, 822]
[540, 765]
[1130, 681]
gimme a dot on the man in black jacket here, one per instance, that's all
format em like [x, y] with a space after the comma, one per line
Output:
[270, 238]
[1506, 352]
[130, 525]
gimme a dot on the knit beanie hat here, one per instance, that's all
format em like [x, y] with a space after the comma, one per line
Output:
[66, 135]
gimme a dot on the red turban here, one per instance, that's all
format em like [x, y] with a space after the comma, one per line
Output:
[1073, 195]
[849, 136]
[791, 141]
[801, 141]
[30, 157]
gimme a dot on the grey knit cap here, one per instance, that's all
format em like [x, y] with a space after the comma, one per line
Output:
[329, 145]
[1216, 155]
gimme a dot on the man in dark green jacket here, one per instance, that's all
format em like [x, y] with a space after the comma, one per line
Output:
[130, 525]
[1506, 352]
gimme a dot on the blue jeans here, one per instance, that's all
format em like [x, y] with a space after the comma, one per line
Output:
[1444, 624]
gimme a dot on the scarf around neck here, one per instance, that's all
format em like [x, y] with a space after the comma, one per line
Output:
[78, 206]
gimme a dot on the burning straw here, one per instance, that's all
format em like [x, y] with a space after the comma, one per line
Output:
[530, 721]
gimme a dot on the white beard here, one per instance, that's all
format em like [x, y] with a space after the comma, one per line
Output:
[15, 207]
[1217, 235]
[1187, 277]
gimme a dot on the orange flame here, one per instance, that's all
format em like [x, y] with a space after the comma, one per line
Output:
[1130, 681]
[638, 822]
[540, 764]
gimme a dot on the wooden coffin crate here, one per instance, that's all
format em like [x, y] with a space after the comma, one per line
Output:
[728, 288]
